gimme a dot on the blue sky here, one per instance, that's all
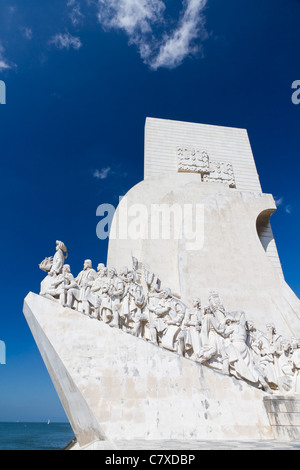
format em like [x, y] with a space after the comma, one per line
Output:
[81, 78]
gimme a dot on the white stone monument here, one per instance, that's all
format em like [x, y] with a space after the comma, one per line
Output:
[212, 167]
[190, 330]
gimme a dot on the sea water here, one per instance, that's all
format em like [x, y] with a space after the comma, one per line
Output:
[35, 436]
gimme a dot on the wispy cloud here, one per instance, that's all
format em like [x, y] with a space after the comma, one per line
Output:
[4, 63]
[144, 22]
[288, 209]
[133, 16]
[66, 41]
[75, 13]
[279, 201]
[27, 33]
[162, 39]
[101, 174]
[181, 42]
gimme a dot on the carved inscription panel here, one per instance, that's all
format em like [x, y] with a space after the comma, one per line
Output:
[194, 160]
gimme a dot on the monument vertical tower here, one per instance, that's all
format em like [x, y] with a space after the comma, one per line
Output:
[212, 167]
[224, 145]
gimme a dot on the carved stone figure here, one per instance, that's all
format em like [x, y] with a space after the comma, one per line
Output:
[80, 293]
[106, 313]
[60, 285]
[53, 265]
[241, 364]
[116, 293]
[152, 282]
[216, 306]
[274, 339]
[263, 357]
[165, 317]
[125, 314]
[213, 346]
[132, 302]
[265, 361]
[94, 294]
[137, 310]
[158, 307]
[173, 321]
[101, 271]
[295, 342]
[286, 379]
[189, 339]
[253, 334]
[59, 258]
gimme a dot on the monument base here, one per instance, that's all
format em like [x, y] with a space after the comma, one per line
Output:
[114, 386]
[284, 415]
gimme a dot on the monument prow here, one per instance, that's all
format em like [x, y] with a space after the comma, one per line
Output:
[114, 386]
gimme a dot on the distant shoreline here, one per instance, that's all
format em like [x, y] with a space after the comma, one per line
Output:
[34, 422]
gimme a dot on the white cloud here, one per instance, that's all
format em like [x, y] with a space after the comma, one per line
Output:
[27, 33]
[4, 64]
[288, 209]
[132, 16]
[101, 174]
[279, 201]
[75, 14]
[161, 39]
[180, 43]
[159, 44]
[66, 41]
